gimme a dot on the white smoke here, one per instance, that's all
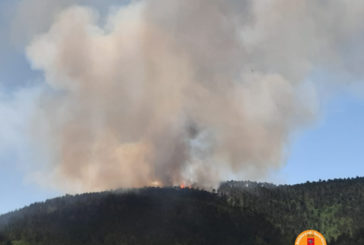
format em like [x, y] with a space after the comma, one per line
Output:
[171, 91]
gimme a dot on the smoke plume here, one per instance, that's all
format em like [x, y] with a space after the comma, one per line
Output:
[166, 92]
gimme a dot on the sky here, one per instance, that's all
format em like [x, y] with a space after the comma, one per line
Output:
[328, 147]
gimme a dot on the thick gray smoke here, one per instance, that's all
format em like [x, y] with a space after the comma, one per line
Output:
[165, 92]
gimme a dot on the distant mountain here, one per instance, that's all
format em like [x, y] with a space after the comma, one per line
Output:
[238, 213]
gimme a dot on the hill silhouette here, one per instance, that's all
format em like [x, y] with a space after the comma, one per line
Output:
[239, 212]
[145, 216]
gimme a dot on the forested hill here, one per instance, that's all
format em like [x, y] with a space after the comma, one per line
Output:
[334, 207]
[147, 216]
[238, 213]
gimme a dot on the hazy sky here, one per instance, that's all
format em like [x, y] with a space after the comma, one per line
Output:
[328, 147]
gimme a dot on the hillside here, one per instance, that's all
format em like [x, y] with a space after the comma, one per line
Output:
[146, 216]
[334, 207]
[239, 213]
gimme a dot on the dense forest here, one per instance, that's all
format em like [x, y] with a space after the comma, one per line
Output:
[334, 207]
[240, 212]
